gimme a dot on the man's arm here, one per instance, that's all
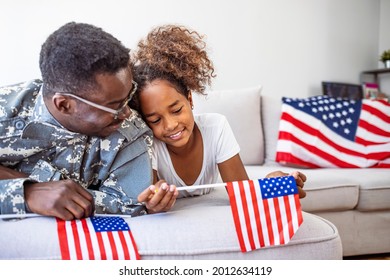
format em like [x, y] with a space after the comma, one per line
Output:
[64, 199]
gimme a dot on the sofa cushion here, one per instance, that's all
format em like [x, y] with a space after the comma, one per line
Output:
[242, 110]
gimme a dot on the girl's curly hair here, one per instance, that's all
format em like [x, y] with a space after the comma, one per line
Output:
[174, 53]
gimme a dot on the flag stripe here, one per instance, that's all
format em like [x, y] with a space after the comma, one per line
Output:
[63, 239]
[133, 250]
[235, 212]
[246, 215]
[285, 158]
[100, 240]
[126, 255]
[268, 222]
[88, 240]
[83, 253]
[112, 245]
[298, 210]
[72, 249]
[378, 133]
[278, 220]
[273, 223]
[286, 221]
[290, 229]
[94, 241]
[374, 108]
[263, 220]
[76, 238]
[256, 217]
[251, 222]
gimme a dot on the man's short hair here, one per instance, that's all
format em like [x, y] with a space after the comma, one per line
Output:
[71, 57]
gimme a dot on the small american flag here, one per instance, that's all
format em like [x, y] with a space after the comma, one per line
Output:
[266, 212]
[322, 131]
[96, 238]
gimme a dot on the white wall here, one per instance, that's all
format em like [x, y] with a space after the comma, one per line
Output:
[288, 46]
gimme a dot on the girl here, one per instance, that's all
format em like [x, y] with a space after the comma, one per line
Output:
[170, 65]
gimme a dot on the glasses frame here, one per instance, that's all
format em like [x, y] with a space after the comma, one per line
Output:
[116, 113]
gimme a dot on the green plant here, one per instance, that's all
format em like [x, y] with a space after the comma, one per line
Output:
[385, 56]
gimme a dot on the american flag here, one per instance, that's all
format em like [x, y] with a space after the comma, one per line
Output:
[96, 238]
[266, 212]
[323, 131]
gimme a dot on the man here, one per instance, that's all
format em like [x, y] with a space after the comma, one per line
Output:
[69, 145]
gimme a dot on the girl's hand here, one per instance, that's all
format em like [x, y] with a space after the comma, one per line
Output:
[159, 197]
[300, 180]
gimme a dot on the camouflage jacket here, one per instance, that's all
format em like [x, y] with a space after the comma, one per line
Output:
[114, 169]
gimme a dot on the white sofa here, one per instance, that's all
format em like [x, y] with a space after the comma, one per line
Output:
[356, 201]
[197, 228]
[202, 227]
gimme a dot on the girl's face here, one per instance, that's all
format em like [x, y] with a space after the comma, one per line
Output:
[168, 113]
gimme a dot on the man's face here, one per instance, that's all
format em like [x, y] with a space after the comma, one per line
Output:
[113, 91]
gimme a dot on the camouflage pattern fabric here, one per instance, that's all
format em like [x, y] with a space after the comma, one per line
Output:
[114, 169]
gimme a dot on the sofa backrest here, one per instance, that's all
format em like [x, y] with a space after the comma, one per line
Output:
[270, 110]
[242, 108]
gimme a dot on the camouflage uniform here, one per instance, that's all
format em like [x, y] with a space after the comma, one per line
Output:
[114, 169]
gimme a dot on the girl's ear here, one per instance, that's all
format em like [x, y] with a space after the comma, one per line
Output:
[63, 104]
[190, 99]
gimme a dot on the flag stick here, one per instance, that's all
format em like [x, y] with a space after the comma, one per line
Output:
[184, 188]
[196, 187]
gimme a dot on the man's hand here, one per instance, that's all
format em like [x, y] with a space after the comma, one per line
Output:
[300, 180]
[64, 199]
[159, 197]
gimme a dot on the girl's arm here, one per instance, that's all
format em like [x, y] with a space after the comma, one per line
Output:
[233, 170]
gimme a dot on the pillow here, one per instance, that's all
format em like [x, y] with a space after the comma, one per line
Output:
[242, 110]
[323, 131]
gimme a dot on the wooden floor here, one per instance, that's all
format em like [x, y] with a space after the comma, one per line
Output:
[370, 257]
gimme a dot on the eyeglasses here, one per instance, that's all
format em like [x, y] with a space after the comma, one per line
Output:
[116, 113]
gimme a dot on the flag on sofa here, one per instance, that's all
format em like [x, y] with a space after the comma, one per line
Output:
[322, 131]
[266, 212]
[96, 238]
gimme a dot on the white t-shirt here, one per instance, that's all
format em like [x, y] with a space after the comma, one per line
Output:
[219, 145]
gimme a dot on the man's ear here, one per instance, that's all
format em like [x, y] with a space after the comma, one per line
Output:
[63, 104]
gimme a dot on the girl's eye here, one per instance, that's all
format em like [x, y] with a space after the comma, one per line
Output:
[155, 121]
[178, 110]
